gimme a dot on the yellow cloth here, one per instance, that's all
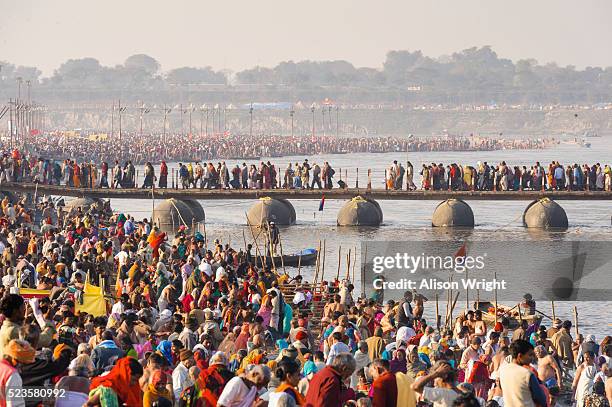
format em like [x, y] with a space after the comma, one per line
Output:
[405, 394]
[93, 301]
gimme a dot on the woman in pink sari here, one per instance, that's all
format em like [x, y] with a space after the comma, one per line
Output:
[243, 338]
[265, 311]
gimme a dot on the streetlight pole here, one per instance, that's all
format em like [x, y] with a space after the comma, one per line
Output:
[112, 120]
[19, 80]
[337, 121]
[190, 110]
[182, 124]
[312, 109]
[206, 127]
[291, 113]
[11, 121]
[251, 113]
[28, 111]
[119, 123]
[323, 125]
[201, 121]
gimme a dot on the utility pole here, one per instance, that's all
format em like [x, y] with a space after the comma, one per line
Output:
[201, 121]
[219, 118]
[206, 127]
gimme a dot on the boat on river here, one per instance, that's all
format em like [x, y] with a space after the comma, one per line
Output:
[307, 257]
[513, 314]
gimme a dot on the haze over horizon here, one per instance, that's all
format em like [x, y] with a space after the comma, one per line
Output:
[238, 35]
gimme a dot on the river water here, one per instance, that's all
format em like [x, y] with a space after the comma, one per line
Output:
[411, 220]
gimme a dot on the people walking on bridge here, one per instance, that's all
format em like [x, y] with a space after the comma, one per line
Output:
[149, 176]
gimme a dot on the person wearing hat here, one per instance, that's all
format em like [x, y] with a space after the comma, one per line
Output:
[180, 375]
[17, 352]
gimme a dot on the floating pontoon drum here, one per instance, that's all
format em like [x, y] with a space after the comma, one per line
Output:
[360, 211]
[85, 204]
[196, 208]
[170, 214]
[545, 214]
[453, 213]
[279, 211]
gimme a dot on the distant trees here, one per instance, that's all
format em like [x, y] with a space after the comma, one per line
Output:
[474, 75]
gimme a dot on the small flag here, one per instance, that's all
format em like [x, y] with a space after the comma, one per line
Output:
[461, 252]
[322, 203]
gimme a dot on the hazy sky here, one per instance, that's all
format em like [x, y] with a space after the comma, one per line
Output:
[236, 34]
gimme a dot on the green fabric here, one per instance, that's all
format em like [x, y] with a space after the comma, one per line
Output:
[108, 397]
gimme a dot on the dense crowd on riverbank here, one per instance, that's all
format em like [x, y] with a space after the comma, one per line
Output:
[180, 147]
[196, 323]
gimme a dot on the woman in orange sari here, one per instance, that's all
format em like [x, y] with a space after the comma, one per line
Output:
[76, 175]
[155, 240]
[120, 383]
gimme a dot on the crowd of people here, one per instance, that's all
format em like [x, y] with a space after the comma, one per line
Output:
[181, 147]
[554, 176]
[501, 177]
[192, 323]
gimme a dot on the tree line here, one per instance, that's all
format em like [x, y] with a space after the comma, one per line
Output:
[474, 75]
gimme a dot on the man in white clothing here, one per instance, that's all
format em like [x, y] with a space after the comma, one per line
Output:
[180, 375]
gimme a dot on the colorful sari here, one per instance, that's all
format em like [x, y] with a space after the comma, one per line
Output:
[119, 380]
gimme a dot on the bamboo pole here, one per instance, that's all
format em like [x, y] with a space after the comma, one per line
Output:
[449, 298]
[363, 267]
[495, 293]
[576, 321]
[437, 313]
[467, 293]
[552, 306]
[244, 240]
[339, 261]
[452, 308]
[354, 263]
[271, 247]
[280, 242]
[317, 265]
[299, 264]
[257, 252]
[323, 261]
[205, 235]
[348, 265]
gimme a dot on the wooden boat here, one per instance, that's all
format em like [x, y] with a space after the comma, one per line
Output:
[512, 313]
[308, 258]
